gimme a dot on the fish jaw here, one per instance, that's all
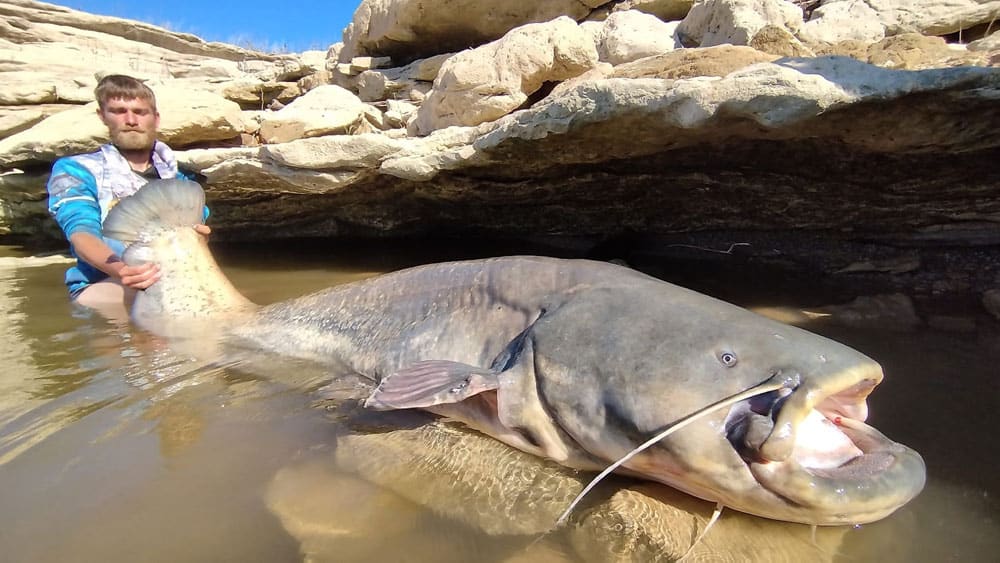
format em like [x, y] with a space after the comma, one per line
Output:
[812, 450]
[866, 487]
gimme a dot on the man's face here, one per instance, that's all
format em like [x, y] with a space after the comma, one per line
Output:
[132, 123]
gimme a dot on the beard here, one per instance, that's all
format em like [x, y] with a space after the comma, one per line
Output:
[133, 140]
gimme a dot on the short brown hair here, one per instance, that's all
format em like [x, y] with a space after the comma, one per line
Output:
[120, 86]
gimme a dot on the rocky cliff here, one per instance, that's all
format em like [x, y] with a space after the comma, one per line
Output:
[847, 133]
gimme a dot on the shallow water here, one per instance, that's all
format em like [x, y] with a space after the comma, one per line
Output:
[117, 447]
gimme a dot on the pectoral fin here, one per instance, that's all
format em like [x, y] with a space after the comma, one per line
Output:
[429, 383]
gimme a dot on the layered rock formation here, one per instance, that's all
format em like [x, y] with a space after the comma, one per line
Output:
[870, 123]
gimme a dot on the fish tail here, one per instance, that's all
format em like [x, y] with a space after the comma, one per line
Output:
[159, 205]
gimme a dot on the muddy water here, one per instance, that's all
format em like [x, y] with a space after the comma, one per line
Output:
[117, 447]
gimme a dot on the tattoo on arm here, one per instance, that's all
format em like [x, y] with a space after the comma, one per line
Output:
[113, 259]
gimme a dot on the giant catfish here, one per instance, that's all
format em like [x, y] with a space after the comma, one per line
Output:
[574, 360]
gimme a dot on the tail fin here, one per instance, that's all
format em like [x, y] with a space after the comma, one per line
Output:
[160, 204]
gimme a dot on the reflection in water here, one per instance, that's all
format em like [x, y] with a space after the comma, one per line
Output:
[115, 446]
[485, 488]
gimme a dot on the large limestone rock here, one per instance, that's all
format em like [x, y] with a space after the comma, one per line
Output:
[934, 17]
[336, 151]
[258, 94]
[714, 22]
[189, 117]
[989, 43]
[53, 54]
[411, 82]
[186, 117]
[42, 87]
[642, 143]
[689, 63]
[414, 29]
[833, 22]
[26, 21]
[629, 35]
[913, 51]
[14, 119]
[488, 82]
[70, 132]
[17, 120]
[321, 111]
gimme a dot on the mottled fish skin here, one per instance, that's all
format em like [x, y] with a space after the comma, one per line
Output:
[574, 360]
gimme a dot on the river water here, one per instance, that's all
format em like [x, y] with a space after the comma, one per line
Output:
[116, 447]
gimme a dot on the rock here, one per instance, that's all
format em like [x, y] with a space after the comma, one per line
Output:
[314, 81]
[375, 86]
[558, 150]
[778, 41]
[834, 22]
[934, 17]
[991, 302]
[186, 117]
[666, 10]
[989, 43]
[321, 111]
[340, 151]
[630, 35]
[908, 51]
[599, 72]
[44, 87]
[199, 160]
[48, 22]
[895, 265]
[333, 55]
[361, 64]
[913, 51]
[24, 212]
[234, 167]
[411, 82]
[313, 61]
[714, 22]
[69, 132]
[890, 312]
[487, 82]
[254, 94]
[688, 63]
[492, 491]
[15, 122]
[414, 29]
[647, 522]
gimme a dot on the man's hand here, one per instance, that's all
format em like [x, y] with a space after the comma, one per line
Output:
[139, 277]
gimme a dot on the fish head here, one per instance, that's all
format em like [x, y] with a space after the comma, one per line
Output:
[617, 368]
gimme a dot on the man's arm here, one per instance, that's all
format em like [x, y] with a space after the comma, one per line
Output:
[95, 252]
[73, 203]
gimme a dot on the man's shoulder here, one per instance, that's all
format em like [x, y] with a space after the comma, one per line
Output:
[88, 159]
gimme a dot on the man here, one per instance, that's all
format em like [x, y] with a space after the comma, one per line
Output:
[83, 188]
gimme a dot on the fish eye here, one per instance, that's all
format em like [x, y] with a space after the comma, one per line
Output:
[728, 359]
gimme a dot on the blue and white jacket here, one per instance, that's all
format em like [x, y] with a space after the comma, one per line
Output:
[83, 189]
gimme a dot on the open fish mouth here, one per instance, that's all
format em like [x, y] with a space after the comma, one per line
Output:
[817, 453]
